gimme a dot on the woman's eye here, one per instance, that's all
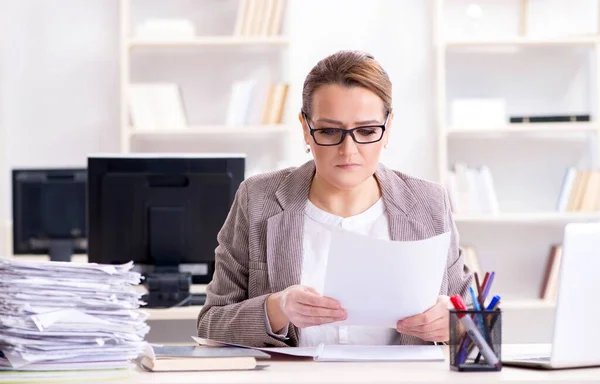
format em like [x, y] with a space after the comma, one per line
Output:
[328, 132]
[366, 131]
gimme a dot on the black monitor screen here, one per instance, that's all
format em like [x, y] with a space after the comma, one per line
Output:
[160, 211]
[49, 212]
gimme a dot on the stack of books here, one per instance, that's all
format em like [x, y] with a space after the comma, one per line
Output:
[471, 190]
[68, 320]
[253, 105]
[259, 18]
[580, 191]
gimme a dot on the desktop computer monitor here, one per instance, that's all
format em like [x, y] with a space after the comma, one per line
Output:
[49, 212]
[163, 212]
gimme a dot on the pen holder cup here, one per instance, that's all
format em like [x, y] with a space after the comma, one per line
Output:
[475, 340]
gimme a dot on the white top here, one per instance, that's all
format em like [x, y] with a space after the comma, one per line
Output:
[318, 226]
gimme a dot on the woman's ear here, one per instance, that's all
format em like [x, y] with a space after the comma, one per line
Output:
[388, 128]
[305, 131]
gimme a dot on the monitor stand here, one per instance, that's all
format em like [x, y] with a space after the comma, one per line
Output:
[61, 250]
[167, 286]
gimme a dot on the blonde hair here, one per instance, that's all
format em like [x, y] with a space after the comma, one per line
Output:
[350, 69]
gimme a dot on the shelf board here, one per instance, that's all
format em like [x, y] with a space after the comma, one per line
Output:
[522, 41]
[528, 128]
[521, 304]
[533, 217]
[210, 41]
[213, 130]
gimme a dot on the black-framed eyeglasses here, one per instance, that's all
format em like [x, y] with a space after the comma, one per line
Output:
[335, 136]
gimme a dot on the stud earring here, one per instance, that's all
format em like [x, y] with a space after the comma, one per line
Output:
[307, 150]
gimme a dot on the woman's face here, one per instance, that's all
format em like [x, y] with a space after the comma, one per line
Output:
[348, 164]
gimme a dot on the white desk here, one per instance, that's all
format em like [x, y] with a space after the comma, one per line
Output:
[294, 370]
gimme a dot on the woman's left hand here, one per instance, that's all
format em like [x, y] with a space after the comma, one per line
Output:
[431, 325]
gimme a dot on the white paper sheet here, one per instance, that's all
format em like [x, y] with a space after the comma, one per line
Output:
[348, 352]
[379, 353]
[379, 282]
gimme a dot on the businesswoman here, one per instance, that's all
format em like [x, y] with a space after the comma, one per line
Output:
[272, 249]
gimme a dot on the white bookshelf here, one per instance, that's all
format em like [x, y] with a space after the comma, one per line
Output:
[520, 41]
[528, 128]
[518, 304]
[214, 130]
[209, 41]
[530, 218]
[212, 60]
[502, 238]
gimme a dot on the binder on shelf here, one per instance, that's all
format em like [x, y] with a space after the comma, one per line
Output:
[156, 106]
[242, 93]
[549, 118]
[471, 190]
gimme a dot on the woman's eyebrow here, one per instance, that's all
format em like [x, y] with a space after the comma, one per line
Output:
[336, 122]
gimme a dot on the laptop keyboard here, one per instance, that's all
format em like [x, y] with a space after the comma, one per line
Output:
[541, 359]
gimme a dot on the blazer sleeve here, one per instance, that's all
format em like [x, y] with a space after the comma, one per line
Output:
[228, 314]
[459, 275]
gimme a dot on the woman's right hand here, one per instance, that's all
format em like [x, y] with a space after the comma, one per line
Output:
[303, 307]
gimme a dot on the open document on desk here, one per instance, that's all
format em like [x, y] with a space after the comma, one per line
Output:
[57, 316]
[331, 353]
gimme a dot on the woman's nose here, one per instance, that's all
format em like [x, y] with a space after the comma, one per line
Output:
[348, 146]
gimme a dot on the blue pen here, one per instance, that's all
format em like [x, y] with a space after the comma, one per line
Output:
[493, 303]
[474, 298]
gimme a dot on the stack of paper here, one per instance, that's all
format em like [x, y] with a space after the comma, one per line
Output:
[58, 316]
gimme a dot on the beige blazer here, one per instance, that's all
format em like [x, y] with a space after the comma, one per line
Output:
[260, 248]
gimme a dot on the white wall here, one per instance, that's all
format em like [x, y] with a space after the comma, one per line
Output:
[58, 83]
[59, 75]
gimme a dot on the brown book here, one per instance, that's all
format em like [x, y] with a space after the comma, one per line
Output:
[590, 197]
[276, 18]
[281, 103]
[195, 358]
[268, 104]
[572, 204]
[582, 187]
[551, 275]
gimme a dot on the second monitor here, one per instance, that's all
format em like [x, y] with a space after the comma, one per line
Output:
[163, 212]
[49, 212]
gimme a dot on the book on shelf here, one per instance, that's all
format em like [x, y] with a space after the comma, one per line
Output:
[549, 289]
[254, 104]
[471, 259]
[165, 29]
[274, 106]
[471, 190]
[580, 191]
[156, 106]
[259, 18]
[549, 118]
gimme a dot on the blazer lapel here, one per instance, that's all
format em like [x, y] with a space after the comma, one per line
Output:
[399, 202]
[285, 229]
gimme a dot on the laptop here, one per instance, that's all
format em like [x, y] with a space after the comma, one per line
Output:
[576, 335]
